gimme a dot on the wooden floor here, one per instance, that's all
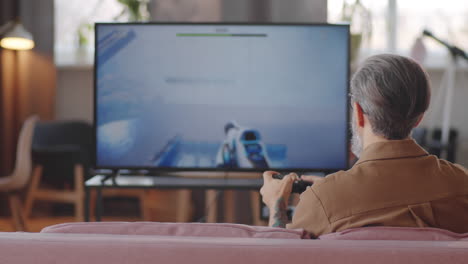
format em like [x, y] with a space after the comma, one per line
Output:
[46, 214]
[37, 223]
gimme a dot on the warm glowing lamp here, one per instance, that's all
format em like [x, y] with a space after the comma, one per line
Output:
[17, 38]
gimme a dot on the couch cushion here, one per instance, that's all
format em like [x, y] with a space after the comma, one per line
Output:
[395, 233]
[177, 229]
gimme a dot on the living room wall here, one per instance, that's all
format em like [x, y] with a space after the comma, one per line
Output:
[75, 83]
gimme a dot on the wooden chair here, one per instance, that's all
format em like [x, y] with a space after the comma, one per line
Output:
[20, 177]
[61, 153]
[75, 195]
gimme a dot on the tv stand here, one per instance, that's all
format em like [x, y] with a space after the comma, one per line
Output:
[211, 185]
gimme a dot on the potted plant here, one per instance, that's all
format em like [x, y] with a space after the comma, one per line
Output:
[135, 10]
[360, 21]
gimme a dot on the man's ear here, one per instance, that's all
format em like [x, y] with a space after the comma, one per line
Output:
[359, 114]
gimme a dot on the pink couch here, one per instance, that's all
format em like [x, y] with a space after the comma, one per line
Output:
[227, 243]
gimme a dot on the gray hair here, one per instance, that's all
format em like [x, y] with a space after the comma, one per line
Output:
[393, 91]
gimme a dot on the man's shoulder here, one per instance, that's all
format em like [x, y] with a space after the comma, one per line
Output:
[343, 186]
[456, 168]
[338, 179]
[371, 185]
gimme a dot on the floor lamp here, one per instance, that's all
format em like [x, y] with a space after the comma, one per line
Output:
[455, 54]
[13, 34]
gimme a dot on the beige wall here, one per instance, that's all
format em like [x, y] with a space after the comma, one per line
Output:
[74, 96]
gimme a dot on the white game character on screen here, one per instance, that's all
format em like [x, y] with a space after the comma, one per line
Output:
[242, 148]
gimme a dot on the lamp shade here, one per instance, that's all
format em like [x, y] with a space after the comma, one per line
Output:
[17, 38]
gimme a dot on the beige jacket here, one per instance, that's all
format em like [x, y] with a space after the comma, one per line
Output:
[394, 183]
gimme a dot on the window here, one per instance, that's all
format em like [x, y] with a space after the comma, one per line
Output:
[72, 16]
[446, 19]
[378, 10]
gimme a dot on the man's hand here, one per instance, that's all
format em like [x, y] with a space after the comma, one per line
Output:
[275, 194]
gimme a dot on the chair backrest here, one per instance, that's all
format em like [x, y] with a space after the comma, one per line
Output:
[23, 165]
[56, 133]
[58, 145]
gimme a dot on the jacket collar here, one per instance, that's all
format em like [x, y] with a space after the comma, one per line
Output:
[392, 149]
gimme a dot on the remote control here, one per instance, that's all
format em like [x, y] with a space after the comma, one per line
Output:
[299, 186]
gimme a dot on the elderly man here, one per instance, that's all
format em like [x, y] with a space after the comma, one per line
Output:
[395, 182]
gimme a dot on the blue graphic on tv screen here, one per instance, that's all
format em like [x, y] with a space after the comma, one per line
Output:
[253, 97]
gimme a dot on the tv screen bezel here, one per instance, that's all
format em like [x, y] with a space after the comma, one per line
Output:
[158, 170]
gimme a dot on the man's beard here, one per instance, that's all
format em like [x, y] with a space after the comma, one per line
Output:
[356, 142]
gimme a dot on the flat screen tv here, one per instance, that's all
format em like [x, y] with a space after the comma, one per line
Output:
[227, 97]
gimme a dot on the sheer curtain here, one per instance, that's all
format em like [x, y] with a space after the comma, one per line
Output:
[27, 78]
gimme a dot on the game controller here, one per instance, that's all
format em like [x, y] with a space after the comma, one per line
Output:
[299, 186]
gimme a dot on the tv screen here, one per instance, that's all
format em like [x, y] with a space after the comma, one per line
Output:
[227, 97]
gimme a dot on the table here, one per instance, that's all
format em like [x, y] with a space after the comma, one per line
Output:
[164, 182]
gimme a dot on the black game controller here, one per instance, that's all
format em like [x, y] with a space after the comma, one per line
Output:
[299, 186]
